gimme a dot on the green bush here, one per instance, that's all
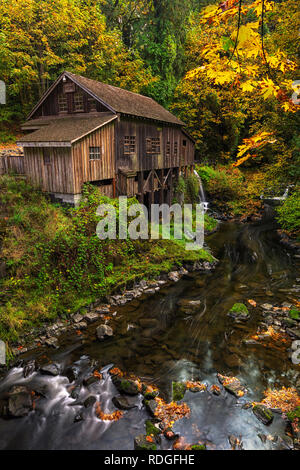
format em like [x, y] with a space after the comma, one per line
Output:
[289, 213]
[206, 173]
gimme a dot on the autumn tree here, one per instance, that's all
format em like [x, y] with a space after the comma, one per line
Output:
[238, 86]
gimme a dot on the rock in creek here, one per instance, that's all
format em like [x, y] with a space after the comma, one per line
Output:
[141, 443]
[89, 402]
[151, 406]
[263, 414]
[124, 403]
[20, 402]
[125, 386]
[29, 369]
[174, 276]
[232, 385]
[91, 317]
[103, 332]
[50, 369]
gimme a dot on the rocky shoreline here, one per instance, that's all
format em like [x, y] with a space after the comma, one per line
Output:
[48, 336]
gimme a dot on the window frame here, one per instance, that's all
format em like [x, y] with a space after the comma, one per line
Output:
[78, 94]
[129, 145]
[93, 151]
[153, 145]
[62, 96]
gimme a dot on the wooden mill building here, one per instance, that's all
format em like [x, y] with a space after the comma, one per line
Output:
[83, 130]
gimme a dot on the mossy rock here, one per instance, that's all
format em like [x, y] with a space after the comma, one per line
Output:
[151, 395]
[151, 406]
[178, 390]
[294, 314]
[239, 312]
[263, 414]
[141, 443]
[152, 429]
[295, 414]
[128, 387]
[198, 447]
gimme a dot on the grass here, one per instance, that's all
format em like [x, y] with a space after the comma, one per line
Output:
[56, 264]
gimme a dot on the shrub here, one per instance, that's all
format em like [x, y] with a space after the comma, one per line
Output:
[289, 213]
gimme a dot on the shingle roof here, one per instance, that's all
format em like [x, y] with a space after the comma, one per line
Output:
[126, 102]
[67, 130]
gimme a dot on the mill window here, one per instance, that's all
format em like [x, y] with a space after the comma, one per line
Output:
[153, 145]
[95, 153]
[129, 144]
[62, 103]
[78, 102]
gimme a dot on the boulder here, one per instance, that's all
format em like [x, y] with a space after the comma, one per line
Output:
[20, 401]
[174, 276]
[50, 369]
[29, 368]
[91, 317]
[125, 386]
[232, 385]
[151, 406]
[52, 342]
[239, 312]
[90, 380]
[293, 332]
[103, 332]
[263, 414]
[71, 373]
[77, 318]
[141, 443]
[178, 390]
[89, 402]
[124, 403]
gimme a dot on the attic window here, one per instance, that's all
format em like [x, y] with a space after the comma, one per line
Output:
[95, 153]
[184, 143]
[78, 102]
[62, 103]
[153, 145]
[129, 144]
[92, 104]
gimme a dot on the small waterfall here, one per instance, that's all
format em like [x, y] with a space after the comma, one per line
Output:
[276, 200]
[202, 194]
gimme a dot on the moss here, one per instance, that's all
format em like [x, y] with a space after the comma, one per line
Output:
[292, 415]
[141, 443]
[263, 414]
[239, 308]
[198, 447]
[178, 390]
[56, 264]
[151, 429]
[294, 313]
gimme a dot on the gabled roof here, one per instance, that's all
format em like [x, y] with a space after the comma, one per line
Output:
[119, 100]
[65, 132]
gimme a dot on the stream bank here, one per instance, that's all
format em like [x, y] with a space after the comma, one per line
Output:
[181, 334]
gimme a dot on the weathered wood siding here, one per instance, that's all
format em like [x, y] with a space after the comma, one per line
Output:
[94, 170]
[13, 164]
[50, 106]
[171, 137]
[55, 177]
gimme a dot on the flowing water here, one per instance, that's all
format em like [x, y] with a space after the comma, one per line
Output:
[155, 340]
